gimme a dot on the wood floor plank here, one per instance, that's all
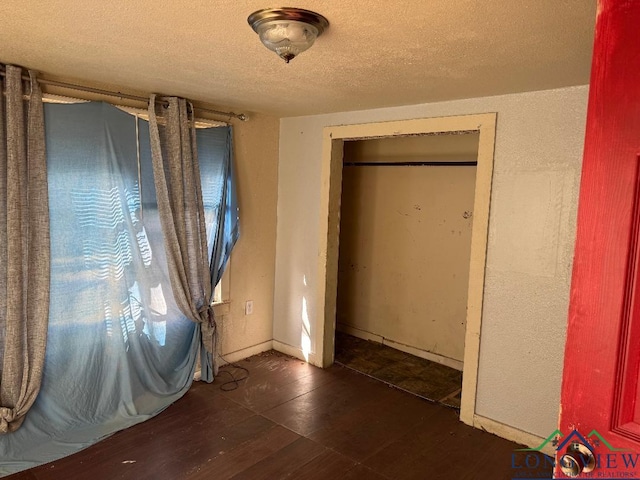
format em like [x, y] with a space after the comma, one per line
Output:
[293, 421]
[327, 465]
[279, 368]
[241, 458]
[385, 418]
[163, 431]
[284, 463]
[315, 410]
[360, 472]
[205, 446]
[263, 395]
[444, 448]
[143, 457]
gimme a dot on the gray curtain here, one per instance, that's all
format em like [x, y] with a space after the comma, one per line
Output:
[24, 248]
[178, 190]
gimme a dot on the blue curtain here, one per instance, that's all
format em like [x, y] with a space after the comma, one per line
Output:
[221, 214]
[119, 351]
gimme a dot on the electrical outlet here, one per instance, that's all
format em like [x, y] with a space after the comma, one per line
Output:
[248, 307]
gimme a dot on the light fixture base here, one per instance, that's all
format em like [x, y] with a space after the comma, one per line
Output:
[286, 13]
[287, 31]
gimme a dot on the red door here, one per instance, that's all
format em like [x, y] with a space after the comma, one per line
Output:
[600, 404]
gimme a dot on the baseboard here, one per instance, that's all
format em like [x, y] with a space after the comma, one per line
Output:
[433, 357]
[243, 353]
[512, 433]
[296, 352]
[356, 332]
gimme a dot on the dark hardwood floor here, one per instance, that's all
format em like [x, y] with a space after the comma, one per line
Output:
[292, 420]
[429, 380]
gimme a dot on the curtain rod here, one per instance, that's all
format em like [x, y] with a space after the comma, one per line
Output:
[240, 116]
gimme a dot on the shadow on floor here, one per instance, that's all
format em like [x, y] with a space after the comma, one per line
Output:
[416, 375]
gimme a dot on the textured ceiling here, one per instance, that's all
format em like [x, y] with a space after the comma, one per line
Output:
[374, 54]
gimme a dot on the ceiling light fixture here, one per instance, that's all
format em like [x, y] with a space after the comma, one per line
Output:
[287, 31]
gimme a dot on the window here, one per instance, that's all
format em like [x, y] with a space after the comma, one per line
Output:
[109, 267]
[214, 146]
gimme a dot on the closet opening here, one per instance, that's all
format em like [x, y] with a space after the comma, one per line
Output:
[406, 219]
[404, 207]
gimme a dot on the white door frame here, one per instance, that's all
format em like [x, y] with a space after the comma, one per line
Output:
[330, 196]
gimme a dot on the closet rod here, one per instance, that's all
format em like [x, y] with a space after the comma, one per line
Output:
[137, 98]
[410, 164]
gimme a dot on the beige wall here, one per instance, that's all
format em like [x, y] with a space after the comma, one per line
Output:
[405, 237]
[251, 274]
[538, 156]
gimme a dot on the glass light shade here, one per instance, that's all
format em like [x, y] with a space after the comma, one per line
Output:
[288, 38]
[287, 31]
